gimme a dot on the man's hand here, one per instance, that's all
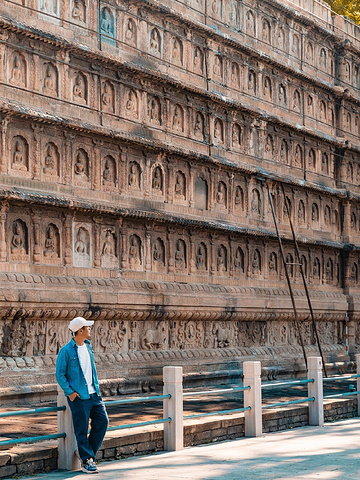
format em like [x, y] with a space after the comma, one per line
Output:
[73, 396]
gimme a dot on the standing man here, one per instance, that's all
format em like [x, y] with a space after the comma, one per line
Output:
[76, 375]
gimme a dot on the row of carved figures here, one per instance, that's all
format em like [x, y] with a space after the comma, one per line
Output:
[244, 78]
[240, 17]
[201, 256]
[270, 147]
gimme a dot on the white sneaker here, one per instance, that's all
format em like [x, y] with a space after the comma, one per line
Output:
[89, 466]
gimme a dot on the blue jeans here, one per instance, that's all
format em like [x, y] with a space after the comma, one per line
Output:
[82, 411]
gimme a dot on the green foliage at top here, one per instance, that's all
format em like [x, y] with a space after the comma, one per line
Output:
[349, 8]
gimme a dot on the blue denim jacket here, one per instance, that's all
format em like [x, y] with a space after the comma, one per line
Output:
[69, 373]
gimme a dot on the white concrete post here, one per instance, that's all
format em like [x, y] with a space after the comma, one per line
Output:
[315, 389]
[66, 446]
[173, 408]
[358, 382]
[252, 399]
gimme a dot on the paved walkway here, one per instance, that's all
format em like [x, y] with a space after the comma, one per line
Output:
[325, 453]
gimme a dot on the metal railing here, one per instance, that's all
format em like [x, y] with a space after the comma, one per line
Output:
[173, 404]
[32, 411]
[289, 383]
[127, 401]
[214, 392]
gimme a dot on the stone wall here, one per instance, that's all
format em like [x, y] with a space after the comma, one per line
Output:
[138, 141]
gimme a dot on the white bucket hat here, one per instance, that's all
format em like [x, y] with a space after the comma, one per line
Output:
[78, 323]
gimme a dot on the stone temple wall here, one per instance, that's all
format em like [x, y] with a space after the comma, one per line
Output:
[137, 143]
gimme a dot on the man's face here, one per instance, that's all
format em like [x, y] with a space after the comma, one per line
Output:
[85, 332]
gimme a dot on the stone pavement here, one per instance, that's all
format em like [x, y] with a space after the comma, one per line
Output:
[331, 452]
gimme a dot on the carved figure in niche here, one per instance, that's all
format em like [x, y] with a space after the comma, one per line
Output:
[324, 163]
[221, 194]
[177, 51]
[79, 89]
[239, 259]
[180, 183]
[312, 159]
[20, 156]
[329, 270]
[48, 6]
[155, 41]
[322, 111]
[18, 244]
[157, 181]
[310, 106]
[296, 45]
[298, 156]
[159, 253]
[296, 101]
[130, 34]
[107, 22]
[180, 254]
[155, 338]
[78, 11]
[280, 38]
[353, 221]
[17, 76]
[251, 82]
[134, 176]
[201, 259]
[309, 54]
[50, 163]
[267, 88]
[198, 60]
[269, 146]
[234, 75]
[82, 244]
[239, 197]
[284, 154]
[135, 251]
[109, 169]
[223, 334]
[301, 212]
[218, 131]
[316, 269]
[51, 247]
[216, 6]
[282, 95]
[221, 259]
[236, 135]
[250, 23]
[255, 202]
[266, 32]
[107, 97]
[327, 215]
[199, 125]
[234, 14]
[81, 164]
[154, 111]
[131, 104]
[256, 262]
[177, 122]
[322, 59]
[50, 80]
[349, 172]
[217, 68]
[354, 273]
[273, 263]
[108, 249]
[314, 213]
